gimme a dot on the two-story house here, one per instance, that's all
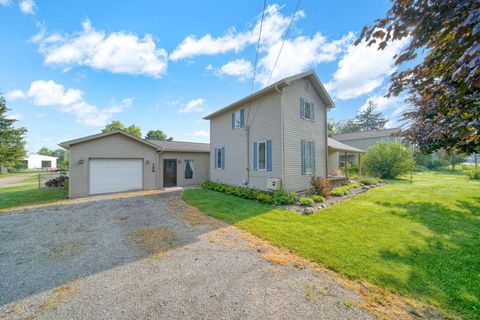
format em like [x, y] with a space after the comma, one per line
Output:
[275, 136]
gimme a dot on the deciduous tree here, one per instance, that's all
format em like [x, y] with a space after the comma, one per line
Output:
[157, 135]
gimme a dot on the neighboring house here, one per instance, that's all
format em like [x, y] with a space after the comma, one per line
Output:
[365, 139]
[38, 161]
[274, 137]
[116, 161]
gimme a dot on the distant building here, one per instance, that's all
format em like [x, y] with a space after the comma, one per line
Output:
[38, 161]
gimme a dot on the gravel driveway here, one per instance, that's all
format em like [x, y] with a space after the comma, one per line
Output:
[153, 257]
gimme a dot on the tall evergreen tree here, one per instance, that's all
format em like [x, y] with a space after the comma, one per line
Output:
[12, 140]
[369, 119]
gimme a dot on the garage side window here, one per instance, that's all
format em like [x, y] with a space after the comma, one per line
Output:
[189, 168]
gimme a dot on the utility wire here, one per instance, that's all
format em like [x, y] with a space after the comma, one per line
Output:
[256, 54]
[285, 38]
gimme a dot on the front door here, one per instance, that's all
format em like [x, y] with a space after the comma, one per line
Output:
[169, 173]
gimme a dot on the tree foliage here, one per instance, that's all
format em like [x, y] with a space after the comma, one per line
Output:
[453, 158]
[157, 135]
[365, 120]
[444, 87]
[117, 125]
[387, 160]
[12, 140]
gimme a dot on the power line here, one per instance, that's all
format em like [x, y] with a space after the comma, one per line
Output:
[256, 53]
[285, 38]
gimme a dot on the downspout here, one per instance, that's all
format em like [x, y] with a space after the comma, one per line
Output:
[326, 144]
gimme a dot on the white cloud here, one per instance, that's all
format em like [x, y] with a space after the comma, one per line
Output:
[15, 95]
[27, 6]
[16, 116]
[384, 103]
[117, 52]
[240, 68]
[51, 94]
[363, 69]
[199, 133]
[5, 3]
[195, 105]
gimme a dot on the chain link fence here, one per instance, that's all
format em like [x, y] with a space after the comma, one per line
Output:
[44, 177]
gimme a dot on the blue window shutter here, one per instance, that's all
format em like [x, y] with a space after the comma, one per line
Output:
[313, 157]
[233, 120]
[216, 155]
[302, 108]
[303, 156]
[242, 118]
[223, 157]
[255, 156]
[269, 155]
[312, 112]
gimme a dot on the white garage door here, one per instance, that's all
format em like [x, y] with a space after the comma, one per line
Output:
[115, 175]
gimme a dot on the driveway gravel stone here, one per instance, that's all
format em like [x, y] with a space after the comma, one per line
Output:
[154, 257]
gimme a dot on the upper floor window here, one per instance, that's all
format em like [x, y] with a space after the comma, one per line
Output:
[237, 119]
[307, 110]
[307, 85]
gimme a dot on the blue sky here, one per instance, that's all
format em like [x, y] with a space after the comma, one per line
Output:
[69, 67]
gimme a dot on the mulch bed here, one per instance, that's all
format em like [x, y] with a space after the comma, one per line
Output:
[330, 200]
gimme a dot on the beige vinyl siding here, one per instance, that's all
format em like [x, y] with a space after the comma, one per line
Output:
[366, 143]
[200, 170]
[333, 161]
[109, 147]
[296, 129]
[266, 115]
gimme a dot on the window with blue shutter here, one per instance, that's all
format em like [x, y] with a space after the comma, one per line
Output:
[302, 108]
[255, 157]
[220, 158]
[269, 155]
[215, 164]
[303, 155]
[308, 157]
[223, 157]
[238, 119]
[242, 118]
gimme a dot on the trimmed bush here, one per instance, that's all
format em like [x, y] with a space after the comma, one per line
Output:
[317, 198]
[321, 186]
[387, 160]
[242, 192]
[368, 181]
[281, 197]
[344, 190]
[264, 197]
[306, 201]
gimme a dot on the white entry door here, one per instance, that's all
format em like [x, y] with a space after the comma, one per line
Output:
[115, 175]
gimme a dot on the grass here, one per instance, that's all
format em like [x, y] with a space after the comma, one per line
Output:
[421, 240]
[29, 194]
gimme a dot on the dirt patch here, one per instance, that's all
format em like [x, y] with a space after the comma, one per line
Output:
[121, 218]
[190, 214]
[50, 302]
[65, 250]
[154, 242]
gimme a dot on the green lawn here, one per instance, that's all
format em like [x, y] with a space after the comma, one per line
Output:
[28, 194]
[421, 240]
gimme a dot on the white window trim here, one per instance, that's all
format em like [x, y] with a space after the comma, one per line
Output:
[219, 150]
[258, 155]
[305, 102]
[185, 169]
[310, 171]
[237, 125]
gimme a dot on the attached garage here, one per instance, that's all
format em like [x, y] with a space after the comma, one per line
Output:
[115, 175]
[116, 161]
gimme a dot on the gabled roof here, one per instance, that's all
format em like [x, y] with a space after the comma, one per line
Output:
[366, 134]
[336, 145]
[311, 75]
[181, 146]
[178, 146]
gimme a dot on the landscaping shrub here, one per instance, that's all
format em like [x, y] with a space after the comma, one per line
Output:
[368, 181]
[344, 190]
[473, 174]
[242, 192]
[281, 197]
[321, 186]
[306, 201]
[264, 197]
[317, 198]
[387, 160]
[58, 182]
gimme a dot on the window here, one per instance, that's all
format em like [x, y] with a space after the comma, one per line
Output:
[308, 157]
[307, 85]
[220, 158]
[262, 155]
[189, 169]
[237, 119]
[308, 110]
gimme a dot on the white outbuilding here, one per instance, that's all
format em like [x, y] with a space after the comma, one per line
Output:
[38, 161]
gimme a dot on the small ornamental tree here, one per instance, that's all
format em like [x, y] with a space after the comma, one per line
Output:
[387, 160]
